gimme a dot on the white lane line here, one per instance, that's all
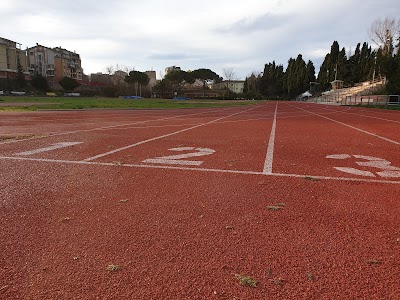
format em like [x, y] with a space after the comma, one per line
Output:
[162, 136]
[355, 128]
[304, 176]
[366, 116]
[271, 144]
[114, 126]
[50, 148]
[179, 159]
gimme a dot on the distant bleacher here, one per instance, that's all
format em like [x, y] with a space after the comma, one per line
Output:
[359, 94]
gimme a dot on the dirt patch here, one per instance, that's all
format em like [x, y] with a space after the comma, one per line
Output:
[4, 138]
[220, 101]
[24, 104]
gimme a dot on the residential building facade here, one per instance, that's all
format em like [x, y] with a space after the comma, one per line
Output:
[152, 78]
[100, 79]
[118, 78]
[236, 86]
[10, 55]
[54, 63]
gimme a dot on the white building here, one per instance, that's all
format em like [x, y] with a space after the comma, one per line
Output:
[236, 86]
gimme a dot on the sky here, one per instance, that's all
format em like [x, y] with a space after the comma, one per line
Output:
[220, 34]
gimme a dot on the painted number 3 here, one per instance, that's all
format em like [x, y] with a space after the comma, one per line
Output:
[385, 167]
[181, 159]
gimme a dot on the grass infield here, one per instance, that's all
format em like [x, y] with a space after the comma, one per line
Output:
[29, 103]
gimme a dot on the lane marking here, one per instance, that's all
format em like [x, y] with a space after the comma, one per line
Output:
[115, 126]
[364, 110]
[50, 148]
[200, 170]
[385, 166]
[339, 156]
[355, 171]
[366, 116]
[179, 159]
[162, 136]
[271, 144]
[347, 125]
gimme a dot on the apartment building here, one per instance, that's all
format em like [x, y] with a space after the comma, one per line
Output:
[10, 54]
[152, 78]
[100, 79]
[236, 86]
[54, 63]
[118, 78]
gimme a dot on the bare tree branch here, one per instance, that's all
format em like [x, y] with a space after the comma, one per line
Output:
[381, 31]
[230, 74]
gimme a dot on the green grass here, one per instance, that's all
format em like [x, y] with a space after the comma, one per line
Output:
[15, 137]
[59, 103]
[383, 106]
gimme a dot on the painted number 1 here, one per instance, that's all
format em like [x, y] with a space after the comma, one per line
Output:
[49, 148]
[181, 159]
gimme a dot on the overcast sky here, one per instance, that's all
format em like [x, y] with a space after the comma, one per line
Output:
[217, 34]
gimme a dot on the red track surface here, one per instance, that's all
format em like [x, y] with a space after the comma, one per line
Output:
[184, 231]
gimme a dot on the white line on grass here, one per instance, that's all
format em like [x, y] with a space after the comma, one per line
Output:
[271, 144]
[162, 136]
[304, 176]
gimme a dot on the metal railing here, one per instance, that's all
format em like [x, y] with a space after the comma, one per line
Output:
[369, 100]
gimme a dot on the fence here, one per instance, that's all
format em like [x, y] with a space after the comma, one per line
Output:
[371, 100]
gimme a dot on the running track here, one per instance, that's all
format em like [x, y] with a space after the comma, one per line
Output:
[179, 200]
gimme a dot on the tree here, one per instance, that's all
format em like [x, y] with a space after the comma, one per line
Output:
[111, 69]
[137, 78]
[393, 86]
[40, 83]
[68, 83]
[296, 76]
[229, 75]
[310, 77]
[272, 81]
[163, 88]
[178, 78]
[251, 85]
[384, 32]
[204, 75]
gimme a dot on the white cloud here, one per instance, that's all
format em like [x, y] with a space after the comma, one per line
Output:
[212, 34]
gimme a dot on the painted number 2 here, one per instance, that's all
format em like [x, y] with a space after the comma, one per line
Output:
[181, 159]
[385, 167]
